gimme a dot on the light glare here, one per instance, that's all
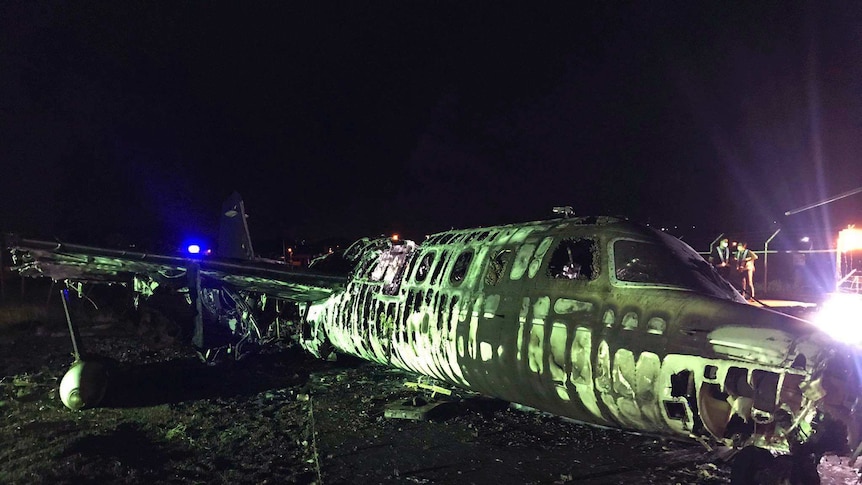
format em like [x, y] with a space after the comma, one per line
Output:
[839, 317]
[849, 239]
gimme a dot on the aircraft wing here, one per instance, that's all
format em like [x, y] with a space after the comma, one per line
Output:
[61, 261]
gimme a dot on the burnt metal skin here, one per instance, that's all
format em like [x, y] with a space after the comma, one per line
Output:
[596, 319]
[611, 348]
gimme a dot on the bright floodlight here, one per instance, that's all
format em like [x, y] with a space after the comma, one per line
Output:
[849, 239]
[839, 317]
[194, 249]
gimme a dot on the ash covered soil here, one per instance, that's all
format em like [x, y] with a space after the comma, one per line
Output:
[281, 416]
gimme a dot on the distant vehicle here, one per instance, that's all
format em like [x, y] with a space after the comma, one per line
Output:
[593, 318]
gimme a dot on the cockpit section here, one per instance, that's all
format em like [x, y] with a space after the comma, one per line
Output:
[645, 262]
[666, 263]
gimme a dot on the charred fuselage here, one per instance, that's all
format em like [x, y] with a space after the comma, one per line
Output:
[597, 319]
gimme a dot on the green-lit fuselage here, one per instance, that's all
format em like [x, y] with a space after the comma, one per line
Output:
[597, 347]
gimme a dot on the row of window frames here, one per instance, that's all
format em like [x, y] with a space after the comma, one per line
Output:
[572, 259]
[426, 264]
[443, 239]
[568, 253]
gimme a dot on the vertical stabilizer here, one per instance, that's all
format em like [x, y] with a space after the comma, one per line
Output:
[233, 237]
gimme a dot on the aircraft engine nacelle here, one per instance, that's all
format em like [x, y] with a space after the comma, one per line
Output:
[83, 385]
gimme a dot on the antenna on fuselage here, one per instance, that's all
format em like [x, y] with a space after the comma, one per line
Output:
[565, 210]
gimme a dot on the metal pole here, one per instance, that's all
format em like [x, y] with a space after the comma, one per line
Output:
[193, 273]
[823, 202]
[766, 259]
[3, 267]
[65, 294]
[839, 274]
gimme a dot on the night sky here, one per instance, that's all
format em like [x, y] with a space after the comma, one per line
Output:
[134, 121]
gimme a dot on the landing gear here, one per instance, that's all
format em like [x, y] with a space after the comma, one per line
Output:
[85, 382]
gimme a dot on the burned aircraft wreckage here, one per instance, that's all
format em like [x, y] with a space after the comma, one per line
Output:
[597, 319]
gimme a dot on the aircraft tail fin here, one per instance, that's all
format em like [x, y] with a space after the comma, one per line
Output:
[234, 240]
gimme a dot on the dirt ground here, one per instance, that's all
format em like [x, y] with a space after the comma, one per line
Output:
[282, 416]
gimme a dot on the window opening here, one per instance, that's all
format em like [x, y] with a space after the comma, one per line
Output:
[710, 372]
[675, 410]
[462, 265]
[496, 266]
[656, 325]
[641, 262]
[574, 259]
[424, 267]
